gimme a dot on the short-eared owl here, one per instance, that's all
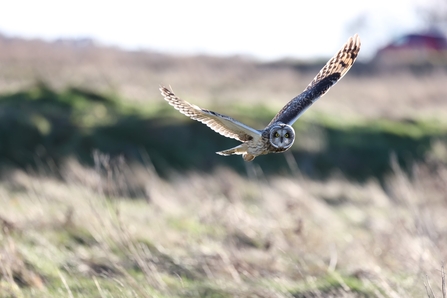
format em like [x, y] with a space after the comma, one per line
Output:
[279, 135]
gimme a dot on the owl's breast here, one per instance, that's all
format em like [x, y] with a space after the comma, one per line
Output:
[262, 146]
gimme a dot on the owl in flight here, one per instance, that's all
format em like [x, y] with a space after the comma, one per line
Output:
[279, 135]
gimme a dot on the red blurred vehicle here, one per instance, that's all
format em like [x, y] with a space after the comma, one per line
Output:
[414, 49]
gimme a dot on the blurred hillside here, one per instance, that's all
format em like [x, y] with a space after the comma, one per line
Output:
[42, 127]
[219, 82]
[68, 98]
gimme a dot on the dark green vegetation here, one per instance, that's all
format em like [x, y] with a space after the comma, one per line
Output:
[43, 127]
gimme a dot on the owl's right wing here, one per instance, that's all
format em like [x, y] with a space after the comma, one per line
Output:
[221, 124]
[328, 76]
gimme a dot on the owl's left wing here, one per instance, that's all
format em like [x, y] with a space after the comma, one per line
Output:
[328, 76]
[221, 124]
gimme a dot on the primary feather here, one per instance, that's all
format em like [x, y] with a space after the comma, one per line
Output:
[328, 76]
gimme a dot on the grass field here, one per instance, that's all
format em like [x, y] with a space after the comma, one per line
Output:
[220, 235]
[356, 209]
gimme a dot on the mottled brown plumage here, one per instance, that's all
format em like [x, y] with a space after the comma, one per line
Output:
[279, 135]
[222, 124]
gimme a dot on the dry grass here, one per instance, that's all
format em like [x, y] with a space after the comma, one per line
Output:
[225, 235]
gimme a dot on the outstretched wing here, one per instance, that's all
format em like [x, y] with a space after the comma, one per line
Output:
[328, 76]
[222, 124]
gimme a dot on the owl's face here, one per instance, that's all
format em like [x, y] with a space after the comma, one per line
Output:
[282, 136]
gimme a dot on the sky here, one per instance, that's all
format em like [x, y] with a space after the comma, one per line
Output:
[264, 30]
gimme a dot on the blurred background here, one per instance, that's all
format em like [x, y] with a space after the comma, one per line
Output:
[76, 77]
[82, 120]
[68, 70]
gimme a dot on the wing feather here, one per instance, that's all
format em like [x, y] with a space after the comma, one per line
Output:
[221, 124]
[328, 76]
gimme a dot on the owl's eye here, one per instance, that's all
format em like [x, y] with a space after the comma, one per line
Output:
[276, 135]
[286, 135]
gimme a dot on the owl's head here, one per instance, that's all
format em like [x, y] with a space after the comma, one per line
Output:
[282, 136]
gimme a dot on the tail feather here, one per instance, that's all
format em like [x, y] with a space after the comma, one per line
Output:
[241, 149]
[235, 150]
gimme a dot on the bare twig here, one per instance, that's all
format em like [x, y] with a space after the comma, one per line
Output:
[444, 295]
[70, 294]
[98, 287]
[230, 267]
[334, 259]
[429, 287]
